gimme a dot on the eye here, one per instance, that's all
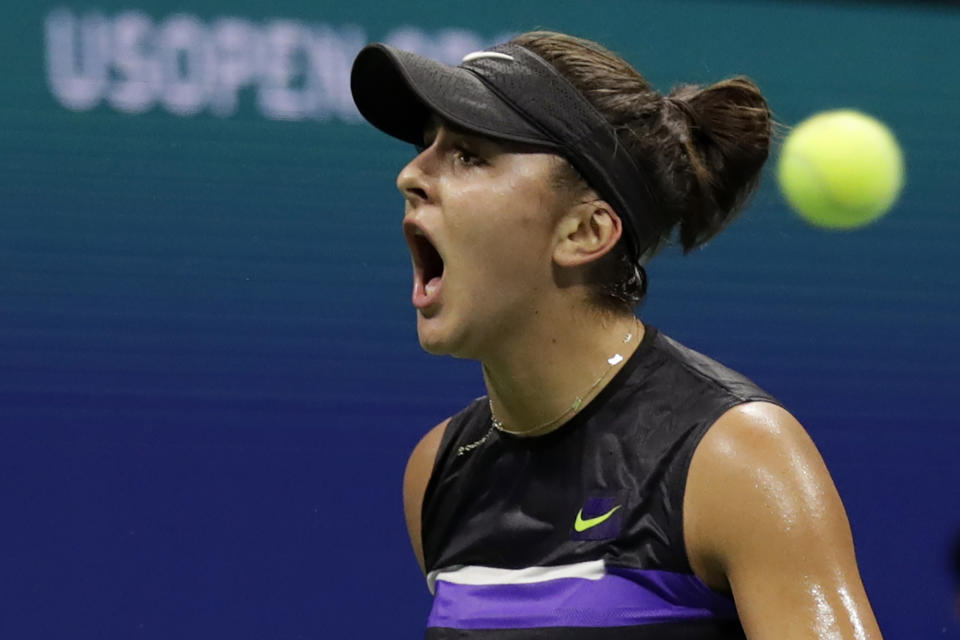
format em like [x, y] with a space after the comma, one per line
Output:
[467, 158]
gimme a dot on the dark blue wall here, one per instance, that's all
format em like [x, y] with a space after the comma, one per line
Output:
[209, 375]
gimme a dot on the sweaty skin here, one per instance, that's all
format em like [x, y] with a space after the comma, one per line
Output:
[763, 519]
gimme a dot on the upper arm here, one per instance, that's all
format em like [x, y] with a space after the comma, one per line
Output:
[763, 518]
[415, 479]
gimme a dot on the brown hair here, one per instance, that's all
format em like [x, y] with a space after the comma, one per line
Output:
[700, 148]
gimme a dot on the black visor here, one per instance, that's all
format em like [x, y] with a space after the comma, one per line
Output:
[510, 93]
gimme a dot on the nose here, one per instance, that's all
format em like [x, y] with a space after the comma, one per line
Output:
[413, 181]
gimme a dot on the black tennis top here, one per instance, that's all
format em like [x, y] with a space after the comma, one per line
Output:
[579, 533]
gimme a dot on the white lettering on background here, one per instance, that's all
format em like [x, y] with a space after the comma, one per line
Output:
[293, 70]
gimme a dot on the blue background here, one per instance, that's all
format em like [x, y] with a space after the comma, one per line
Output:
[209, 374]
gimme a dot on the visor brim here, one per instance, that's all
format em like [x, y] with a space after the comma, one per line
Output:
[397, 91]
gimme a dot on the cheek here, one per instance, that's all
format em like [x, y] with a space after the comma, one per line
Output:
[504, 224]
[508, 271]
[506, 241]
[511, 212]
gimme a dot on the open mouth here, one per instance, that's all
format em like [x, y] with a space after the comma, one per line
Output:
[427, 266]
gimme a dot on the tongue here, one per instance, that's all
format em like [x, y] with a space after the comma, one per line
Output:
[431, 287]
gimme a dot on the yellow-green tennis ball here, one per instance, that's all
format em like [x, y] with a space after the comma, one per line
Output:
[841, 169]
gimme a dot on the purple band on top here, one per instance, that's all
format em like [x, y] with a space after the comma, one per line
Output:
[623, 597]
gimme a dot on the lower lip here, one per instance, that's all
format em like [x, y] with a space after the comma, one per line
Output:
[426, 294]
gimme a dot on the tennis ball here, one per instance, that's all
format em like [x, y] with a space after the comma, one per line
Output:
[841, 169]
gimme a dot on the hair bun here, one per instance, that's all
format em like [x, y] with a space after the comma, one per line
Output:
[700, 150]
[727, 138]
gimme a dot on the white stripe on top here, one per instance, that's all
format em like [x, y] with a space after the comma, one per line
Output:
[486, 54]
[591, 570]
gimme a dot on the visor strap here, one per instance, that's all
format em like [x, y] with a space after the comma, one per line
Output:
[536, 91]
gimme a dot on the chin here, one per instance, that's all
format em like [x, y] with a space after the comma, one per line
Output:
[434, 348]
[432, 340]
[437, 341]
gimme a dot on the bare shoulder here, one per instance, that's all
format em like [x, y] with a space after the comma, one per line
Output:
[415, 479]
[756, 461]
[763, 518]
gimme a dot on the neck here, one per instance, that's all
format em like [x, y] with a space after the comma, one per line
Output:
[538, 381]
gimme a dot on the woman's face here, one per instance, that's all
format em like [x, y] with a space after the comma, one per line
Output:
[480, 222]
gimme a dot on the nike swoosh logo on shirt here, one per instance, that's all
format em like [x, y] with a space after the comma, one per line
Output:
[582, 525]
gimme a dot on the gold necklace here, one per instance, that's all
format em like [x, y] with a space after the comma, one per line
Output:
[612, 361]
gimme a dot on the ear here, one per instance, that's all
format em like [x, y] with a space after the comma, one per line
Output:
[586, 233]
